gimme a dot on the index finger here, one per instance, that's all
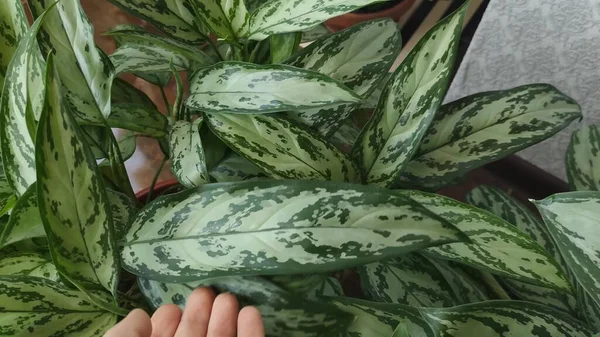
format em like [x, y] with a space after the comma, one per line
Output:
[250, 323]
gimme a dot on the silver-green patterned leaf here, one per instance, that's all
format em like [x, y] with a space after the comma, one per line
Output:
[573, 220]
[72, 200]
[13, 27]
[282, 16]
[29, 264]
[358, 57]
[497, 246]
[503, 318]
[409, 103]
[173, 17]
[501, 204]
[276, 227]
[188, 163]
[123, 211]
[298, 283]
[589, 311]
[237, 87]
[373, 319]
[479, 129]
[236, 168]
[23, 88]
[284, 314]
[329, 287]
[283, 45]
[583, 159]
[24, 221]
[127, 145]
[133, 110]
[225, 18]
[86, 72]
[409, 279]
[465, 284]
[281, 148]
[33, 306]
[314, 33]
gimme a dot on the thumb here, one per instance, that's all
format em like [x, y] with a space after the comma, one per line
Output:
[136, 324]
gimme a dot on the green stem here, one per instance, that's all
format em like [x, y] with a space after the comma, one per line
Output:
[155, 179]
[496, 287]
[165, 100]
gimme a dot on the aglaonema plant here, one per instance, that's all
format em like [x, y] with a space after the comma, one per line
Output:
[280, 193]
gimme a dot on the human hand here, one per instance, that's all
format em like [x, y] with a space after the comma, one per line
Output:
[204, 316]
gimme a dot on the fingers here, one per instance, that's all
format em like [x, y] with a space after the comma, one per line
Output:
[223, 319]
[194, 321]
[250, 323]
[166, 320]
[136, 324]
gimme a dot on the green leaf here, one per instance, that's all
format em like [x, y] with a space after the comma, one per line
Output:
[24, 222]
[223, 17]
[133, 110]
[314, 33]
[281, 16]
[345, 137]
[503, 318]
[485, 127]
[283, 313]
[583, 159]
[85, 70]
[72, 200]
[589, 311]
[33, 306]
[14, 27]
[188, 163]
[501, 204]
[29, 264]
[127, 145]
[409, 279]
[170, 16]
[275, 227]
[409, 103]
[215, 150]
[299, 283]
[401, 331]
[329, 287]
[236, 168]
[281, 148]
[22, 93]
[358, 57]
[123, 211]
[238, 87]
[373, 319]
[467, 287]
[283, 45]
[496, 246]
[573, 220]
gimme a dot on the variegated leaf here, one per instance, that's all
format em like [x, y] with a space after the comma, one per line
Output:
[85, 70]
[133, 110]
[173, 17]
[329, 287]
[276, 227]
[298, 283]
[409, 103]
[465, 284]
[23, 88]
[501, 204]
[24, 221]
[33, 306]
[283, 45]
[223, 17]
[127, 145]
[358, 57]
[314, 33]
[479, 129]
[573, 220]
[589, 311]
[345, 137]
[123, 211]
[215, 151]
[496, 246]
[373, 319]
[503, 318]
[409, 279]
[29, 264]
[236, 168]
[188, 163]
[237, 87]
[282, 16]
[583, 159]
[71, 197]
[284, 314]
[281, 148]
[13, 27]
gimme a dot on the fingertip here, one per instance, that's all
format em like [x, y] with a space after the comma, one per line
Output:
[250, 323]
[203, 294]
[166, 319]
[136, 324]
[170, 311]
[227, 301]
